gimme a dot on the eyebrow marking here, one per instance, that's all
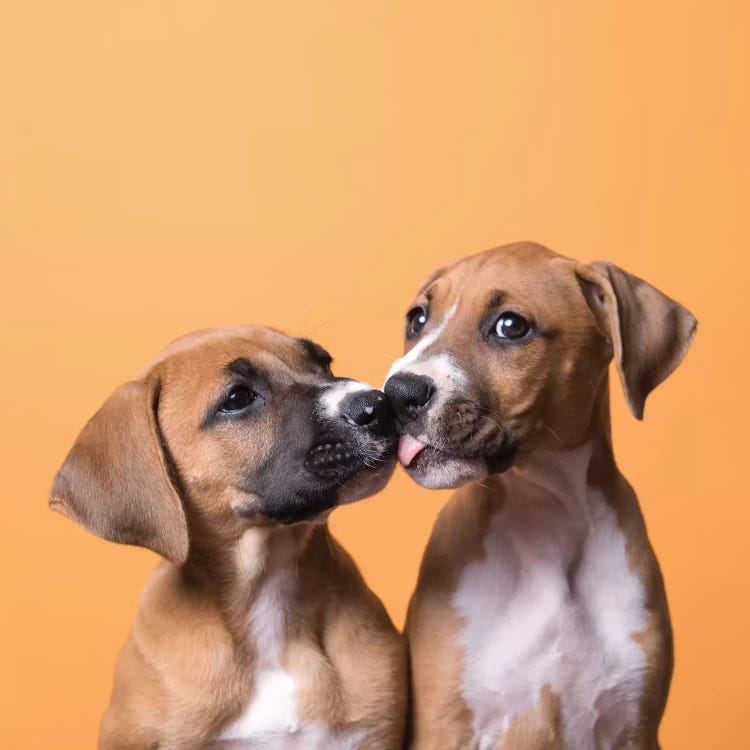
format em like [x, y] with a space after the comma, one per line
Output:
[241, 367]
[435, 275]
[497, 297]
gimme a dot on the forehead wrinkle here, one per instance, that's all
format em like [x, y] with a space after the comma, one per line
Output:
[314, 352]
[430, 281]
[428, 293]
[439, 288]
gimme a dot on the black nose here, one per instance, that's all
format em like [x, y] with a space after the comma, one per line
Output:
[409, 394]
[367, 409]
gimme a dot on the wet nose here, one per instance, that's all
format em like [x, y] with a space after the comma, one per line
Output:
[366, 409]
[409, 394]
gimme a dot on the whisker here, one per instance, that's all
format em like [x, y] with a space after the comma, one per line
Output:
[547, 427]
[328, 540]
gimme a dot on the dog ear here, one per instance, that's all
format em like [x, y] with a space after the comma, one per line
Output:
[649, 332]
[115, 481]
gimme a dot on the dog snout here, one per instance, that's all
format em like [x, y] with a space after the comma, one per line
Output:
[409, 394]
[366, 409]
[356, 430]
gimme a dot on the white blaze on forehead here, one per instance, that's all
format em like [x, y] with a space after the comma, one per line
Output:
[331, 398]
[441, 369]
[413, 355]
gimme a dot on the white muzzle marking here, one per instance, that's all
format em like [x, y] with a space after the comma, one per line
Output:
[441, 368]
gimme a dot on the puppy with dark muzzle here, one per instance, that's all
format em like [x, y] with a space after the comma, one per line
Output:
[539, 620]
[225, 456]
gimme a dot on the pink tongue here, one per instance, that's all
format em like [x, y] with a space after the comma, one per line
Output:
[408, 449]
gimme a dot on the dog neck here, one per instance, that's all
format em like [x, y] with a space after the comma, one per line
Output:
[567, 475]
[262, 552]
[260, 570]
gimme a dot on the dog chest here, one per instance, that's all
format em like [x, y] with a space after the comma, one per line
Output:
[271, 721]
[551, 610]
[273, 706]
[271, 718]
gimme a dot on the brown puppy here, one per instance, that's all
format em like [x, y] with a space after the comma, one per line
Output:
[539, 618]
[225, 456]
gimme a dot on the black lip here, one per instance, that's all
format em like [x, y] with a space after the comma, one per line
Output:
[502, 460]
[333, 460]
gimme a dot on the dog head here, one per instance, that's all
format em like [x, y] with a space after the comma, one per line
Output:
[507, 352]
[225, 429]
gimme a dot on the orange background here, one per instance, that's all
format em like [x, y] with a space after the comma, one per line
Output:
[175, 165]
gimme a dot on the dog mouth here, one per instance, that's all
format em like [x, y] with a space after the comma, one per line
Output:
[335, 461]
[333, 469]
[417, 455]
[338, 472]
[409, 448]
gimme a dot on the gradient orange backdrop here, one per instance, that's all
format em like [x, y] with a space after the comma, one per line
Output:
[174, 165]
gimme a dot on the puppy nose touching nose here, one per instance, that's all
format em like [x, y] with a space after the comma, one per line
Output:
[364, 408]
[408, 393]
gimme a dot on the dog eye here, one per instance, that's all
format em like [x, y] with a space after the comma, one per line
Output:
[511, 326]
[240, 397]
[416, 319]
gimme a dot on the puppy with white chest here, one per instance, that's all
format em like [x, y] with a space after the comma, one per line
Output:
[225, 456]
[540, 619]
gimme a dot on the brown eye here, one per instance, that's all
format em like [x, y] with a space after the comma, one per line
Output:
[240, 397]
[416, 319]
[511, 326]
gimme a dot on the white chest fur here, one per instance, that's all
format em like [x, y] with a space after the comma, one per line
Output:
[553, 604]
[273, 707]
[271, 719]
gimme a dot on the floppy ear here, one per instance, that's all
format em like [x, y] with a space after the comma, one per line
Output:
[115, 481]
[650, 333]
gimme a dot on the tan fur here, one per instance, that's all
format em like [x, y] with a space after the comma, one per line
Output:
[186, 671]
[537, 729]
[552, 393]
[440, 717]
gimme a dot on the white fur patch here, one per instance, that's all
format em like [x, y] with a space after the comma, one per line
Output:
[271, 720]
[273, 708]
[447, 378]
[528, 625]
[441, 368]
[332, 396]
[310, 737]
